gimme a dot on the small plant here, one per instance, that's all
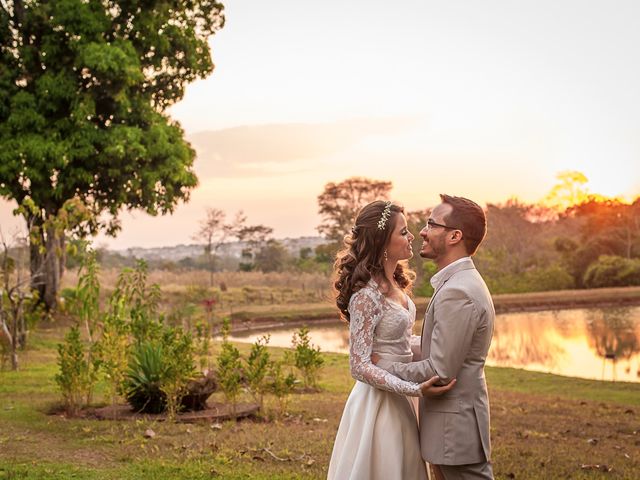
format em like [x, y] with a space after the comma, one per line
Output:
[74, 376]
[307, 357]
[86, 306]
[229, 368]
[159, 372]
[112, 350]
[203, 334]
[256, 369]
[143, 383]
[279, 384]
[180, 368]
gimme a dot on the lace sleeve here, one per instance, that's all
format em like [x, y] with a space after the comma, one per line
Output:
[365, 313]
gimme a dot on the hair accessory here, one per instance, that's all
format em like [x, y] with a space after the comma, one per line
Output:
[386, 257]
[386, 213]
[354, 229]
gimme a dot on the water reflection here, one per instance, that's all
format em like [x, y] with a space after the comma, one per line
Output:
[598, 343]
[614, 338]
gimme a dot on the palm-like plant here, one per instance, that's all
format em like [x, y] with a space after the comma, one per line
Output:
[145, 377]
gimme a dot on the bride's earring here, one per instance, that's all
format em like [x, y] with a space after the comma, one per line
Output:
[385, 255]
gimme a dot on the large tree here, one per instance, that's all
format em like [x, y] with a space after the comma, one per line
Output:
[84, 85]
[339, 203]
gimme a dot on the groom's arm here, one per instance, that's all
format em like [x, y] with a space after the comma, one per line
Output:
[455, 320]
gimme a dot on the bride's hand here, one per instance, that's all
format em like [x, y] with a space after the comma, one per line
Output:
[430, 390]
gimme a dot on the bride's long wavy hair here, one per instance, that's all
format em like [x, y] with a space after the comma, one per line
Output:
[362, 255]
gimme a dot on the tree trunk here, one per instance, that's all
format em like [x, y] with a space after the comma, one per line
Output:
[36, 267]
[62, 261]
[52, 268]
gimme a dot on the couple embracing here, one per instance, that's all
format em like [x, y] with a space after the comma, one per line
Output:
[379, 437]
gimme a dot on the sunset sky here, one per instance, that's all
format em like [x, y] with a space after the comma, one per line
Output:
[483, 99]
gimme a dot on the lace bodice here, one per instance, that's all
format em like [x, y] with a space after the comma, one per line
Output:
[380, 325]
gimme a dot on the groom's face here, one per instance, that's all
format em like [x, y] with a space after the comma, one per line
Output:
[434, 245]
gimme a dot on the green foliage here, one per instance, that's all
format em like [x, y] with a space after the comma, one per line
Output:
[84, 302]
[179, 366]
[143, 384]
[536, 279]
[87, 294]
[612, 271]
[230, 371]
[280, 384]
[429, 269]
[138, 303]
[307, 357]
[273, 257]
[75, 376]
[159, 371]
[203, 334]
[339, 203]
[112, 350]
[256, 369]
[326, 253]
[84, 88]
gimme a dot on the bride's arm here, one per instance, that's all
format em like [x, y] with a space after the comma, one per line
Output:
[365, 313]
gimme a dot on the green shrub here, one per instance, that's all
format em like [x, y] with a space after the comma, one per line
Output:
[179, 367]
[143, 383]
[612, 271]
[159, 372]
[535, 279]
[256, 368]
[425, 289]
[279, 384]
[307, 357]
[74, 377]
[230, 373]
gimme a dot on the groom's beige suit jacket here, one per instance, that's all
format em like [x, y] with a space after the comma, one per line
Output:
[456, 334]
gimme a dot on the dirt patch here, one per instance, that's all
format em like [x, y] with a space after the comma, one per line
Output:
[216, 412]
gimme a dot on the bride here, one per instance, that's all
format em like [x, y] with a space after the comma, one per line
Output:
[378, 433]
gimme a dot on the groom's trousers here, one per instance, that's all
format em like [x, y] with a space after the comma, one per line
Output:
[474, 471]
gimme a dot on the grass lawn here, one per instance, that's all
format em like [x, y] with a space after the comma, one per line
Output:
[543, 427]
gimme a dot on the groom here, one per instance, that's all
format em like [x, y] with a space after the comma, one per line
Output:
[456, 334]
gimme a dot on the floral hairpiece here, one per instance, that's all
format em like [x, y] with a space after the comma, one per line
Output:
[386, 213]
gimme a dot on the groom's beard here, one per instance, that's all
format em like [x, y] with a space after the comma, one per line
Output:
[436, 248]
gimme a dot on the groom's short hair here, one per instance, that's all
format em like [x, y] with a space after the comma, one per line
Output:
[469, 217]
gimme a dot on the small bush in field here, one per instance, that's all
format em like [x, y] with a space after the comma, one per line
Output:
[203, 335]
[180, 367]
[143, 384]
[229, 368]
[256, 369]
[74, 378]
[280, 384]
[307, 357]
[159, 372]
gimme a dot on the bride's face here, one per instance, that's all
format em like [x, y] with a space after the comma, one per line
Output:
[399, 246]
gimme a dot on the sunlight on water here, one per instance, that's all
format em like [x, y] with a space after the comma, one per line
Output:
[602, 344]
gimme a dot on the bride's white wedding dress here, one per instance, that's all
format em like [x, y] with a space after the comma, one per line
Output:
[378, 434]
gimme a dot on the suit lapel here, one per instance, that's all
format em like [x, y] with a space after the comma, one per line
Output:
[465, 265]
[426, 313]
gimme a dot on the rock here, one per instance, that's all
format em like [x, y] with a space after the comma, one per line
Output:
[148, 433]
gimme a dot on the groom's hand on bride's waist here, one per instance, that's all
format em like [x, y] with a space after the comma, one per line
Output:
[430, 388]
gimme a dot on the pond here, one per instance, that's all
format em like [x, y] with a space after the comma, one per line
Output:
[596, 343]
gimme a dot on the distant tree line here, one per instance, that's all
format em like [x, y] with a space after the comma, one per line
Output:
[591, 242]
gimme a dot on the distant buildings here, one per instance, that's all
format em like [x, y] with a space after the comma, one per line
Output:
[231, 249]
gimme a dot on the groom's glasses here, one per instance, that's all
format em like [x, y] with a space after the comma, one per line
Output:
[431, 224]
